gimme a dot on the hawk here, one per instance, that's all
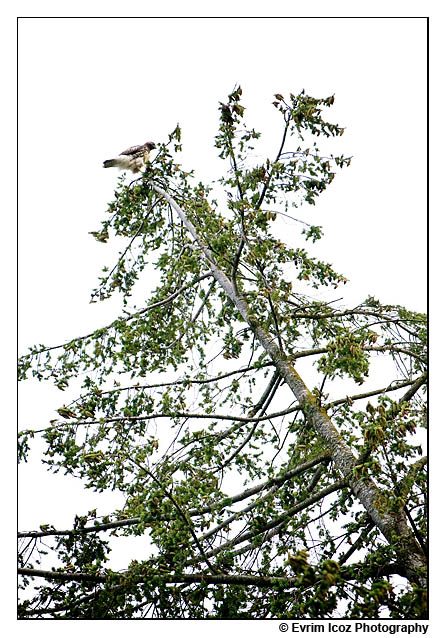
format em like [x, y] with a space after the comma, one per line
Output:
[132, 158]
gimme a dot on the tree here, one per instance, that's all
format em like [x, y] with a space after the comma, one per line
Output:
[259, 496]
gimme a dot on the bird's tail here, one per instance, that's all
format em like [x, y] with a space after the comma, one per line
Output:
[109, 163]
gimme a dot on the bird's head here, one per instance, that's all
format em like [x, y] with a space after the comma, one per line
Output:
[150, 146]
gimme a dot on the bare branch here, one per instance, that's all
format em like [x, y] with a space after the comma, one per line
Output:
[214, 579]
[365, 395]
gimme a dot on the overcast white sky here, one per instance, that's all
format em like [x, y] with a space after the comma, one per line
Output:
[88, 88]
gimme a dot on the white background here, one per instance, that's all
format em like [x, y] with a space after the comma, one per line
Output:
[88, 88]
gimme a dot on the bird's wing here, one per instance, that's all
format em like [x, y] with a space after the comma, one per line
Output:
[133, 150]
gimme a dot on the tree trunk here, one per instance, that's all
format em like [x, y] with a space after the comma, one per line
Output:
[393, 525]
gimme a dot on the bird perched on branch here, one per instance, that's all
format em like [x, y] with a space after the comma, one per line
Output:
[132, 159]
